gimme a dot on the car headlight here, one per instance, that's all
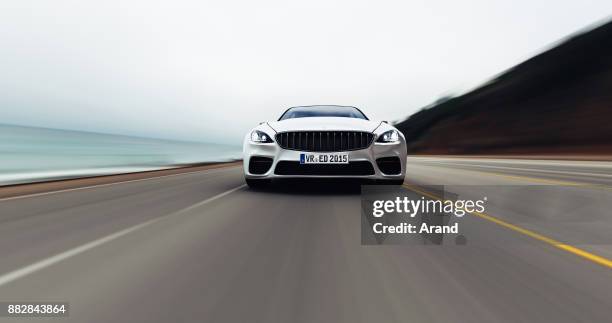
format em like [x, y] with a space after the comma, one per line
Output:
[260, 137]
[390, 136]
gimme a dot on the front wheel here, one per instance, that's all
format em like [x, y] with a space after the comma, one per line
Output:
[257, 183]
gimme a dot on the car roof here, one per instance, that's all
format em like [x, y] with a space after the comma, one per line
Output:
[323, 105]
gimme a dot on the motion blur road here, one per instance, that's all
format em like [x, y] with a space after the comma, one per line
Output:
[203, 247]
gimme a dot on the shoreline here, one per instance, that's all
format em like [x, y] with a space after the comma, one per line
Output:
[25, 189]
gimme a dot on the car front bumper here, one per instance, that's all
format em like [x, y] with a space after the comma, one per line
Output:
[370, 154]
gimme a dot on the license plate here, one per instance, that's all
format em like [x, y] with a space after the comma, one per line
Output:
[324, 158]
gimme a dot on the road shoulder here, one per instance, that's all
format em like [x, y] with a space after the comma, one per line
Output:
[17, 190]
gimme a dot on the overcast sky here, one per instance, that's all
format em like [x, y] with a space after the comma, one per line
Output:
[210, 70]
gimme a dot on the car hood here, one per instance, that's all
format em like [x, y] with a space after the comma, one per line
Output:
[324, 124]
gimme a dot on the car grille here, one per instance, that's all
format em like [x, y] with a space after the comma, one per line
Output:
[324, 140]
[355, 168]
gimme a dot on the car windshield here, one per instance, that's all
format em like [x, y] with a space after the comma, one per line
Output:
[323, 111]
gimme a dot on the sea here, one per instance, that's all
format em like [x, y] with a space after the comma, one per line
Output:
[31, 154]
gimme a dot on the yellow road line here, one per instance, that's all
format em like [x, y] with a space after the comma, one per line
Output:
[557, 244]
[536, 179]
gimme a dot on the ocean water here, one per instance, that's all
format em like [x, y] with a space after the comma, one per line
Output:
[29, 154]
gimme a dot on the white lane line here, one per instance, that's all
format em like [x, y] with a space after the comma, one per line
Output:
[536, 170]
[215, 170]
[27, 270]
[535, 162]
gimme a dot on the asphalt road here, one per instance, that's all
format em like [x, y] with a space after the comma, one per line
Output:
[202, 247]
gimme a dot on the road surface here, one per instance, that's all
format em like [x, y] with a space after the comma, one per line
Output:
[203, 247]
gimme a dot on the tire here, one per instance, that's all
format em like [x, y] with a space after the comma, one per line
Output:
[257, 183]
[393, 182]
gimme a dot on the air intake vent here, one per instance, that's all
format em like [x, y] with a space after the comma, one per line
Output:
[389, 165]
[354, 168]
[324, 140]
[259, 165]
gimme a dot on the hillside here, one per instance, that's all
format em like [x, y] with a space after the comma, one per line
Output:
[558, 102]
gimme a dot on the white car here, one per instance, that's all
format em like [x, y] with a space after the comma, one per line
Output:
[324, 141]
